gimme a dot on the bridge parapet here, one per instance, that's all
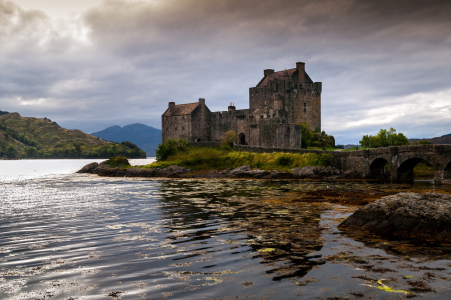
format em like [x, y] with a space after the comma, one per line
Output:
[374, 163]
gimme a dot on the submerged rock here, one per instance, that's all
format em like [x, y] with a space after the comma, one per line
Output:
[414, 216]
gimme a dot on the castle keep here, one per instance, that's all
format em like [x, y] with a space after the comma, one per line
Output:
[277, 105]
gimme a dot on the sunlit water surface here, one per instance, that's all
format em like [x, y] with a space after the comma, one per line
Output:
[76, 236]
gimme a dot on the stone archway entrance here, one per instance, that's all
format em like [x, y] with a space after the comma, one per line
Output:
[242, 139]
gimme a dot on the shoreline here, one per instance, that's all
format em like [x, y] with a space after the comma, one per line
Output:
[242, 172]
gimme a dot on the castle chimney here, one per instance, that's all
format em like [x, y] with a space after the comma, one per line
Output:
[268, 72]
[171, 106]
[231, 107]
[300, 67]
[202, 101]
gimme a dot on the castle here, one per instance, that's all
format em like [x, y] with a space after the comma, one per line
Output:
[279, 103]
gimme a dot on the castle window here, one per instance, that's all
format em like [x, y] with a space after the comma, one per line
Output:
[183, 129]
[305, 107]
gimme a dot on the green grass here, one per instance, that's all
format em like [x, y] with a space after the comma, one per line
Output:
[321, 149]
[354, 149]
[219, 158]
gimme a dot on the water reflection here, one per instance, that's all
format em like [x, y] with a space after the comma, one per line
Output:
[83, 237]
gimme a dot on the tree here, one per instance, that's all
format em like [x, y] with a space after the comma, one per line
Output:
[315, 138]
[307, 135]
[384, 138]
[11, 151]
[30, 151]
[228, 138]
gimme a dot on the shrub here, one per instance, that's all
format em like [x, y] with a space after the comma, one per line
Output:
[422, 142]
[118, 161]
[283, 161]
[228, 139]
[171, 147]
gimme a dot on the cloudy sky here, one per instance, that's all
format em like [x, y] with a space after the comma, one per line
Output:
[92, 64]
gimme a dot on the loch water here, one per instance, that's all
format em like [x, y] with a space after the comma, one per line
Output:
[77, 236]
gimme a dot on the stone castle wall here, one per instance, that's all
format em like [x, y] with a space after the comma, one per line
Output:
[277, 105]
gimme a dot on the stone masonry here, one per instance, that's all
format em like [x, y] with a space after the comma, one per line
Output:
[279, 103]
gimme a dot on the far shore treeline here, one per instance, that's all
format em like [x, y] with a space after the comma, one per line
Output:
[23, 137]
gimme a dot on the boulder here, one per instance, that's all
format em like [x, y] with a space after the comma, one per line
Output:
[412, 216]
[134, 172]
[315, 172]
[88, 168]
[257, 173]
[237, 172]
[177, 170]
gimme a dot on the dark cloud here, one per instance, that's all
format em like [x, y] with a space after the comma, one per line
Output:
[382, 63]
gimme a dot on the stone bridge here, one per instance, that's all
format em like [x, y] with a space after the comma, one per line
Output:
[396, 163]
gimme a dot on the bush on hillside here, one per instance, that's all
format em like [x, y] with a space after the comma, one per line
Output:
[422, 142]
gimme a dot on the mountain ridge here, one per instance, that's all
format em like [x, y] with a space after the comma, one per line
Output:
[145, 137]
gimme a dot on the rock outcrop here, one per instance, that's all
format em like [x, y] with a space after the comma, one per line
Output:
[104, 169]
[315, 172]
[413, 216]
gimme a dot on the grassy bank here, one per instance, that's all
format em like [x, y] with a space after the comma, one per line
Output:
[223, 158]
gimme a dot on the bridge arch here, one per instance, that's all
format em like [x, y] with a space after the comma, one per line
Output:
[377, 168]
[447, 174]
[405, 171]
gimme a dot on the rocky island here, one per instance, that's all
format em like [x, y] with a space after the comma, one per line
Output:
[412, 216]
[120, 167]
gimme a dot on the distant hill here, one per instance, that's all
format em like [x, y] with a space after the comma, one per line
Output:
[23, 137]
[145, 137]
[445, 139]
[3, 112]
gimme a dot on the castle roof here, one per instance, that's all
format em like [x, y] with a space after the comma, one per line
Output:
[279, 76]
[181, 109]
